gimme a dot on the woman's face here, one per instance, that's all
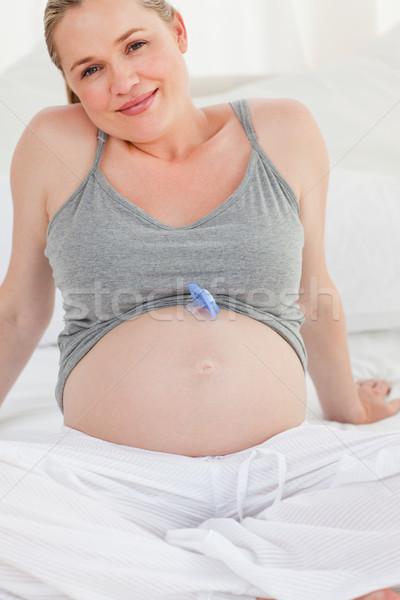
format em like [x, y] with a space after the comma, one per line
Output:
[116, 54]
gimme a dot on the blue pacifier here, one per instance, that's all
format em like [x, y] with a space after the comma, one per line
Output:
[202, 299]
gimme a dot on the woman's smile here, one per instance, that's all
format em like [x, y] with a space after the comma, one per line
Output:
[138, 105]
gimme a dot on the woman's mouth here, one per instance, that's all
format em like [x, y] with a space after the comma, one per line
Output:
[138, 105]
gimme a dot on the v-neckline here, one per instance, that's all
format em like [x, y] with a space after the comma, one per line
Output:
[238, 193]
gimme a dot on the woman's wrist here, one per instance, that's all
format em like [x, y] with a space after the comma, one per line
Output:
[350, 411]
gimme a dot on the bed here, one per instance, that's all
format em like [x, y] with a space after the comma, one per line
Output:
[356, 103]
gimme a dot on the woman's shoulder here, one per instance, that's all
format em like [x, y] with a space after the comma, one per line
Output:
[60, 116]
[284, 115]
[56, 138]
[288, 134]
[285, 119]
[59, 126]
[266, 114]
[55, 151]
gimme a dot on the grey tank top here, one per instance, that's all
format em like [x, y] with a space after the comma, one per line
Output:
[112, 261]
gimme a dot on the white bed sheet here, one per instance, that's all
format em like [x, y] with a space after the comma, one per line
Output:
[30, 411]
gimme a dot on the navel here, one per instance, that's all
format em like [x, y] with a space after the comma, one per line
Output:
[206, 367]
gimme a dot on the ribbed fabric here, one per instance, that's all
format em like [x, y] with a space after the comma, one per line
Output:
[311, 514]
[113, 261]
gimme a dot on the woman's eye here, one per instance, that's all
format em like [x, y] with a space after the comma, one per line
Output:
[90, 71]
[136, 45]
[131, 48]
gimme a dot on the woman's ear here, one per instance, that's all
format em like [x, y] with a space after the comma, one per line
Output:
[179, 29]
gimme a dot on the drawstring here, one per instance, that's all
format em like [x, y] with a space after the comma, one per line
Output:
[242, 481]
[243, 477]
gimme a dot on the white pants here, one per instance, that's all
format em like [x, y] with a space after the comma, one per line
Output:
[311, 514]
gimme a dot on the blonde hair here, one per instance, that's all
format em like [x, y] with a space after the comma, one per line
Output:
[55, 11]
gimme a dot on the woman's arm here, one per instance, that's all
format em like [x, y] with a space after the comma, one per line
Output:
[328, 357]
[27, 292]
[324, 330]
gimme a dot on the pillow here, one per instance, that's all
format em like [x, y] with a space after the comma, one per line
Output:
[362, 244]
[354, 99]
[6, 221]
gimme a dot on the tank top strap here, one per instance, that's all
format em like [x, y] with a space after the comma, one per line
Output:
[101, 138]
[241, 108]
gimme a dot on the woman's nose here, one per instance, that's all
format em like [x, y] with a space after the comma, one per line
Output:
[123, 78]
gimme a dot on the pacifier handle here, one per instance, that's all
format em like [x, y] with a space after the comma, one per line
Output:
[202, 299]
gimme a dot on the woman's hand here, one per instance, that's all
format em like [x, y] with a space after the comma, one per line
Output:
[372, 394]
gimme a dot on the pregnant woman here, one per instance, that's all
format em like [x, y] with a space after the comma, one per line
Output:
[184, 468]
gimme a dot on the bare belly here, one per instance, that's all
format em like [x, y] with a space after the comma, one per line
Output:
[172, 382]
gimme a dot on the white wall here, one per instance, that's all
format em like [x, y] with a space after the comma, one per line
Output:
[259, 36]
[327, 29]
[20, 28]
[241, 36]
[388, 14]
